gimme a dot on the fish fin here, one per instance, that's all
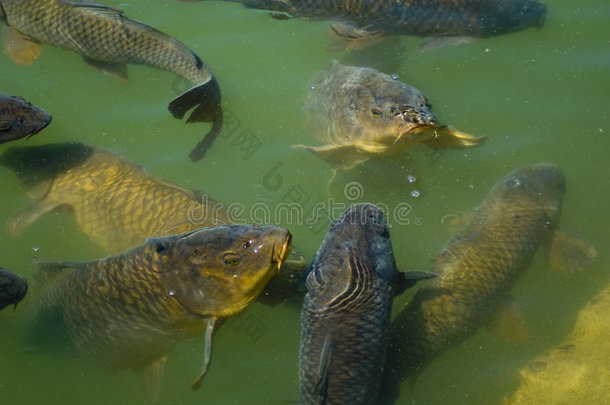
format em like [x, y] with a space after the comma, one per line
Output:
[569, 253]
[326, 357]
[285, 284]
[205, 99]
[281, 16]
[339, 156]
[207, 351]
[441, 42]
[507, 322]
[406, 279]
[116, 69]
[346, 37]
[151, 375]
[97, 7]
[21, 48]
[450, 138]
[23, 218]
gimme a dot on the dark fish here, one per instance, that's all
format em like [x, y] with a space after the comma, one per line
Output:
[109, 40]
[360, 112]
[116, 203]
[478, 268]
[12, 288]
[129, 310]
[19, 119]
[367, 21]
[347, 310]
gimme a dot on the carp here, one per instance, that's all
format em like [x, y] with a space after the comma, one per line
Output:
[477, 269]
[129, 310]
[20, 119]
[347, 308]
[109, 40]
[360, 113]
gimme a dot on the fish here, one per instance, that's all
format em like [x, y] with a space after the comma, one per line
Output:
[109, 40]
[346, 311]
[477, 269]
[118, 204]
[127, 311]
[20, 119]
[367, 22]
[360, 113]
[13, 288]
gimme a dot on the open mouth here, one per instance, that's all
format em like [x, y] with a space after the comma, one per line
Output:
[283, 252]
[415, 130]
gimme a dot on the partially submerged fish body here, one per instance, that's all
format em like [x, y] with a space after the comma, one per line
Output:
[116, 203]
[19, 118]
[426, 18]
[346, 311]
[360, 112]
[478, 268]
[13, 288]
[129, 310]
[109, 40]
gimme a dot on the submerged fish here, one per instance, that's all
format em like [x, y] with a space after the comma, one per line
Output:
[109, 40]
[19, 119]
[367, 21]
[117, 204]
[360, 112]
[478, 268]
[346, 311]
[13, 288]
[129, 310]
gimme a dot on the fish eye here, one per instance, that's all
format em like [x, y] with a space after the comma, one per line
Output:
[5, 126]
[376, 112]
[230, 258]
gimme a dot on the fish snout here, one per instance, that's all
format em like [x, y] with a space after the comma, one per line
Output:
[419, 117]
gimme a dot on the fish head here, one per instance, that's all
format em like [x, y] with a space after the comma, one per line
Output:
[507, 16]
[540, 185]
[19, 118]
[389, 112]
[218, 271]
[13, 288]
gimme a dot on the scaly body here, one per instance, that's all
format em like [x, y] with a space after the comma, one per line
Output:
[478, 268]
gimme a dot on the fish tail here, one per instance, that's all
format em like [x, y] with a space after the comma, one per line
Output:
[205, 99]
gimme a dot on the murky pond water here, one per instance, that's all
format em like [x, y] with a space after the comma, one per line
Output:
[539, 95]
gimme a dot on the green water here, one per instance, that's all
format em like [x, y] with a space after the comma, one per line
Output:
[539, 95]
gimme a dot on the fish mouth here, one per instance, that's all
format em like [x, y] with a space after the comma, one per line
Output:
[417, 130]
[280, 256]
[40, 127]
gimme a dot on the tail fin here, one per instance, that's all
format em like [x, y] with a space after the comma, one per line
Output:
[205, 99]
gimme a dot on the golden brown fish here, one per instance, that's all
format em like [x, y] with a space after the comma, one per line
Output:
[109, 40]
[129, 310]
[360, 113]
[117, 204]
[478, 268]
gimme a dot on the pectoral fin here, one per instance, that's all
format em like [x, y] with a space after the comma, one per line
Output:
[345, 37]
[406, 279]
[207, 351]
[326, 356]
[21, 48]
[116, 69]
[507, 322]
[441, 42]
[569, 253]
[151, 375]
[23, 218]
[339, 156]
[450, 138]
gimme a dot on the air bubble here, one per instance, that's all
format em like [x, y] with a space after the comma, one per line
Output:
[411, 179]
[415, 194]
[312, 87]
[395, 76]
[35, 249]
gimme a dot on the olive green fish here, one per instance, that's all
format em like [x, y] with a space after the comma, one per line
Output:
[360, 113]
[19, 118]
[117, 204]
[129, 310]
[478, 268]
[366, 22]
[109, 40]
[346, 312]
[13, 288]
